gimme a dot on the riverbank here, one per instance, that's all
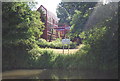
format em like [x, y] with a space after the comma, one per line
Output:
[58, 74]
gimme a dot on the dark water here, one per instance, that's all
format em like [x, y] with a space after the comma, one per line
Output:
[59, 74]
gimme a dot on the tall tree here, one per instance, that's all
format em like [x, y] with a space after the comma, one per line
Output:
[20, 23]
[75, 14]
[102, 38]
[21, 27]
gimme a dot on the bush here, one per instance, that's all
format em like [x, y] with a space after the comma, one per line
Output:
[102, 53]
[15, 57]
[55, 44]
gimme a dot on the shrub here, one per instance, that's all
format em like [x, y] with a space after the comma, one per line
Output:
[55, 44]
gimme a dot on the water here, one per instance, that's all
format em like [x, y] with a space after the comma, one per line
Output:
[58, 74]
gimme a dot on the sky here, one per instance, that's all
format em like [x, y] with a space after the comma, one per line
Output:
[51, 5]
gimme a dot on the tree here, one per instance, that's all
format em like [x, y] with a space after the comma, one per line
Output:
[21, 28]
[102, 38]
[75, 14]
[80, 18]
[20, 23]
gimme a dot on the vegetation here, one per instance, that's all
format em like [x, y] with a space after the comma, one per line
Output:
[21, 28]
[57, 44]
[99, 37]
[75, 14]
[21, 39]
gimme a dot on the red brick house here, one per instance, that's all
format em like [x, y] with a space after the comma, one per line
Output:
[51, 31]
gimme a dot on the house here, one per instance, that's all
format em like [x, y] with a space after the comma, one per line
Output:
[52, 29]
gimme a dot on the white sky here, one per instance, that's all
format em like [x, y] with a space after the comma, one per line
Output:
[50, 5]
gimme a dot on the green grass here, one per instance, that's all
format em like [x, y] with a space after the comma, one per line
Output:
[66, 51]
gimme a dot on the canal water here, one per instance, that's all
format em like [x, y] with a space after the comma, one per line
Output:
[58, 74]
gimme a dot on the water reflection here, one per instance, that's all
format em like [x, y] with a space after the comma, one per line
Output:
[60, 74]
[75, 74]
[60, 80]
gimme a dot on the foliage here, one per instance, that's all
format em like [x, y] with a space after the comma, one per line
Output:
[99, 51]
[103, 42]
[79, 20]
[75, 14]
[93, 35]
[32, 5]
[15, 57]
[103, 51]
[54, 44]
[45, 60]
[66, 10]
[20, 23]
[21, 27]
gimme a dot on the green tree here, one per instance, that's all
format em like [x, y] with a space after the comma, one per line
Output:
[20, 23]
[75, 14]
[21, 28]
[102, 38]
